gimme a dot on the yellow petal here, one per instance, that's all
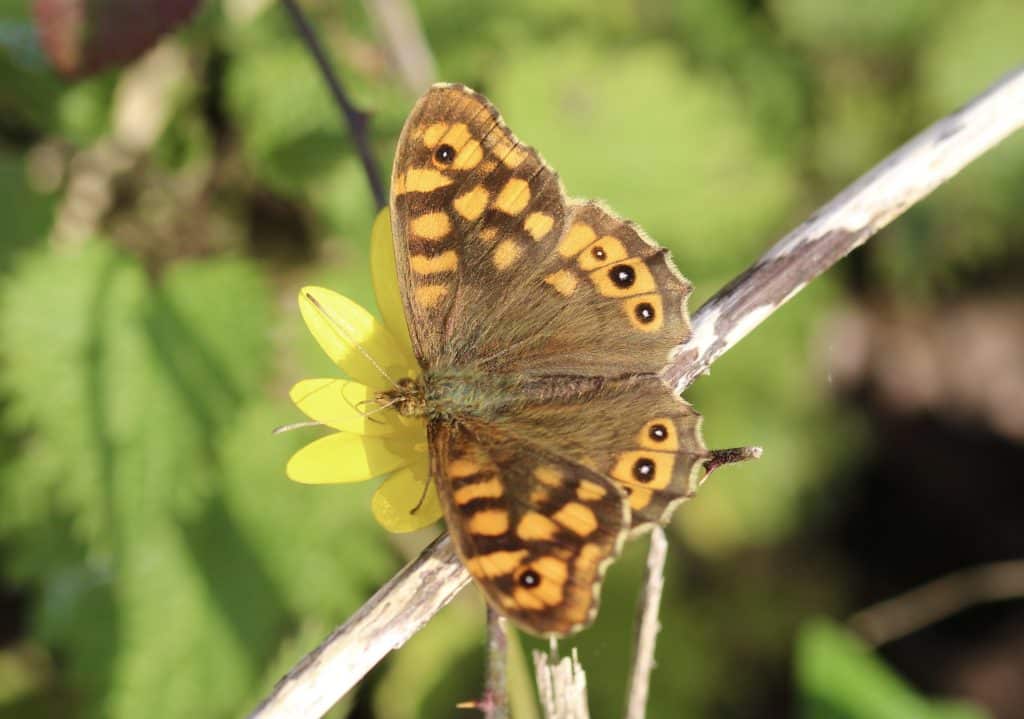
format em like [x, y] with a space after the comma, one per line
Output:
[385, 281]
[347, 406]
[343, 457]
[393, 503]
[352, 338]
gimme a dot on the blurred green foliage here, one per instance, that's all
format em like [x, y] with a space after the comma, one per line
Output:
[165, 567]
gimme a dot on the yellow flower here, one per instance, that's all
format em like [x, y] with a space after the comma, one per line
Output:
[370, 441]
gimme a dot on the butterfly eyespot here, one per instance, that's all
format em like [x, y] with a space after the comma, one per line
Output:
[529, 579]
[622, 275]
[658, 432]
[598, 253]
[643, 469]
[645, 312]
[445, 154]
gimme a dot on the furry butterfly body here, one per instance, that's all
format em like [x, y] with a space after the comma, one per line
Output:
[540, 324]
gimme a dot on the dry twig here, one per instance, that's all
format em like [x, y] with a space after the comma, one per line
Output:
[940, 598]
[561, 684]
[873, 201]
[494, 702]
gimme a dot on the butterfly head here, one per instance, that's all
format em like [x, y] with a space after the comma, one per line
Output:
[407, 398]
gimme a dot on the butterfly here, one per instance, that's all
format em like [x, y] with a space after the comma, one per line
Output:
[541, 324]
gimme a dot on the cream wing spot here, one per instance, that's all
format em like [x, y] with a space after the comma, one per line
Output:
[496, 564]
[433, 134]
[564, 282]
[458, 136]
[488, 522]
[490, 489]
[447, 261]
[471, 204]
[590, 491]
[513, 197]
[512, 155]
[577, 518]
[538, 224]
[534, 526]
[549, 475]
[418, 179]
[429, 295]
[506, 253]
[468, 156]
[462, 468]
[576, 239]
[431, 226]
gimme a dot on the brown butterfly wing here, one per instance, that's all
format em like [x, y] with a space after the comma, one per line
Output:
[535, 530]
[502, 273]
[636, 431]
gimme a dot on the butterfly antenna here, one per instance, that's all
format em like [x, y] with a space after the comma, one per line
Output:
[362, 350]
[295, 425]
[423, 498]
[379, 408]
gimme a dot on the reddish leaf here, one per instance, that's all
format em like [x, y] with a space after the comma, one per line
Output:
[84, 36]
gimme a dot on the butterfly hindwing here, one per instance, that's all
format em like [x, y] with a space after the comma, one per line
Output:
[636, 431]
[535, 530]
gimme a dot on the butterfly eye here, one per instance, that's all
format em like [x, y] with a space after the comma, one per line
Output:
[445, 154]
[623, 276]
[643, 469]
[658, 432]
[645, 312]
[529, 579]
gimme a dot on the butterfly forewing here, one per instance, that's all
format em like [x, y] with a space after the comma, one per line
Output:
[502, 272]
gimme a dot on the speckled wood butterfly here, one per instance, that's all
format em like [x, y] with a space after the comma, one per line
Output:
[541, 324]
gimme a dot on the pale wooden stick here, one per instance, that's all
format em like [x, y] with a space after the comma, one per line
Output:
[940, 598]
[561, 685]
[865, 207]
[399, 27]
[397, 611]
[845, 223]
[647, 626]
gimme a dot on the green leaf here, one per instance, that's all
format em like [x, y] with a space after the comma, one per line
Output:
[127, 387]
[839, 677]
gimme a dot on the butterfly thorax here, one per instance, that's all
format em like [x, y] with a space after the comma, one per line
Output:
[455, 394]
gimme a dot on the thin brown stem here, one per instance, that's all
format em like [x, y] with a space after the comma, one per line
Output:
[357, 121]
[493, 702]
[496, 691]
